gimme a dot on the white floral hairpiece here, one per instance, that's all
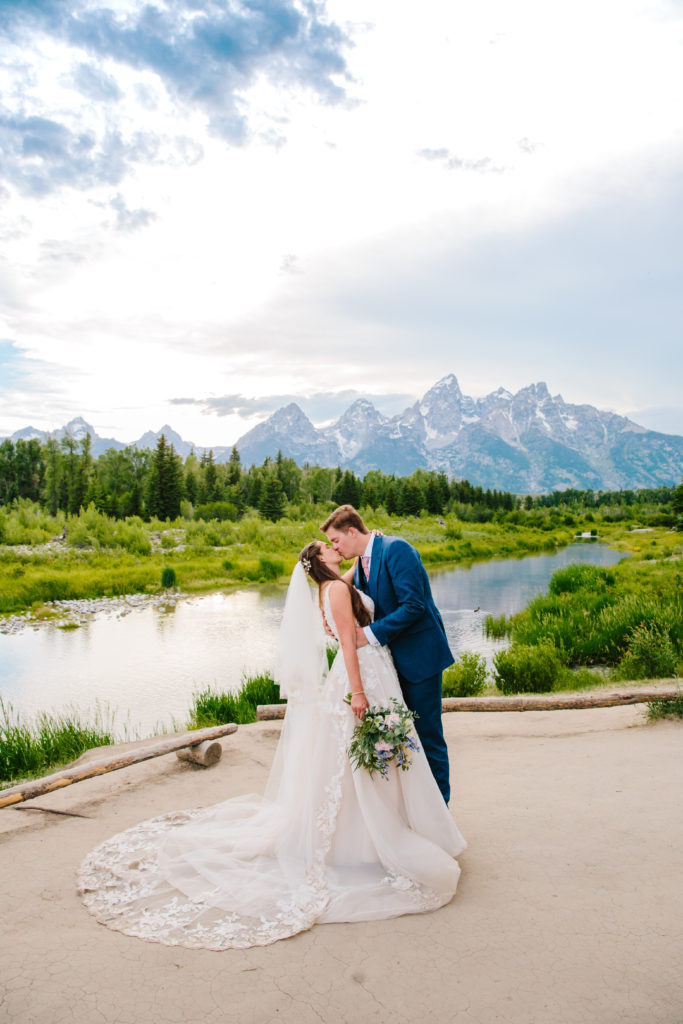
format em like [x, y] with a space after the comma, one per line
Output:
[306, 562]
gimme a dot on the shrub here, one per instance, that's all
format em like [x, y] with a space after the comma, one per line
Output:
[268, 569]
[465, 678]
[581, 577]
[223, 511]
[168, 577]
[649, 654]
[665, 708]
[525, 669]
[453, 531]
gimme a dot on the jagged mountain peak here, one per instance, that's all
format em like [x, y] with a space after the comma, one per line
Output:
[78, 428]
[292, 411]
[355, 427]
[361, 409]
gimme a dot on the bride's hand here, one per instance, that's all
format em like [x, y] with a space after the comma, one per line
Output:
[359, 705]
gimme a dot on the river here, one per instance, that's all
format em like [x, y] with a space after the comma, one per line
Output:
[142, 669]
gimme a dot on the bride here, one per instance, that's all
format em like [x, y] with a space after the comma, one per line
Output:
[325, 843]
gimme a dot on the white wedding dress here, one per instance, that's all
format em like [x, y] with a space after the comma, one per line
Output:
[325, 843]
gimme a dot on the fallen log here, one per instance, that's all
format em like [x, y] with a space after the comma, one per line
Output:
[205, 754]
[111, 763]
[559, 701]
[528, 702]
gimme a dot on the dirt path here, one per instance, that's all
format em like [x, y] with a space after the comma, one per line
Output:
[570, 907]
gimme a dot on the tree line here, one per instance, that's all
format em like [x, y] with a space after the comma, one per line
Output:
[62, 475]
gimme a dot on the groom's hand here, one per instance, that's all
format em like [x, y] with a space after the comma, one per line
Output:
[361, 639]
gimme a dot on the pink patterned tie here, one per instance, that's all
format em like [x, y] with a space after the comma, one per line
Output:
[365, 562]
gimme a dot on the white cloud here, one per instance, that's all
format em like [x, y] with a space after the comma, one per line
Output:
[155, 249]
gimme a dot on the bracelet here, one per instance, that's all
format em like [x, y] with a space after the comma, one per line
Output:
[355, 693]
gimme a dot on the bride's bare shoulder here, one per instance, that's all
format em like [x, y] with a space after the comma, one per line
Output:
[338, 591]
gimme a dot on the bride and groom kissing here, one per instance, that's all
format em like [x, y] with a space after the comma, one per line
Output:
[325, 843]
[391, 573]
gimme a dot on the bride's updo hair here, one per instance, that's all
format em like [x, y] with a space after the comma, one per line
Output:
[320, 573]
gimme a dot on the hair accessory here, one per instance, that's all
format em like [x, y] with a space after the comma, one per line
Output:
[306, 562]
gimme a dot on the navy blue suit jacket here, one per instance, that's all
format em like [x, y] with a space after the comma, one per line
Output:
[406, 617]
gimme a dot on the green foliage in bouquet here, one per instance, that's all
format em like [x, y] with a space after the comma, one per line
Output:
[384, 737]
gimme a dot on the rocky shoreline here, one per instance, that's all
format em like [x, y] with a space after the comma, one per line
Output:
[72, 614]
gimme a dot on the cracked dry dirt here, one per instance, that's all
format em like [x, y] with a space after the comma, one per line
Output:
[569, 911]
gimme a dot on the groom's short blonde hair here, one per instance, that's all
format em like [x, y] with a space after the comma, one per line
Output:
[344, 517]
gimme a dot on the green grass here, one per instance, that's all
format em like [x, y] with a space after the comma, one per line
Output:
[29, 749]
[497, 627]
[658, 709]
[210, 707]
[610, 616]
[107, 558]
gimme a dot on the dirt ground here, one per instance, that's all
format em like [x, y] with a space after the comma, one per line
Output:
[570, 905]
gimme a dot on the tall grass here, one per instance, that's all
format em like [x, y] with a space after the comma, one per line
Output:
[30, 748]
[591, 615]
[497, 627]
[210, 707]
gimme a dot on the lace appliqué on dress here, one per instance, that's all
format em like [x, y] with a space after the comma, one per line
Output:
[253, 870]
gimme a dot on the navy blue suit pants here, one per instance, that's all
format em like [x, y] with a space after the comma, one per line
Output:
[424, 698]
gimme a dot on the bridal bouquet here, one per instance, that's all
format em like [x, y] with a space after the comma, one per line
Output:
[384, 737]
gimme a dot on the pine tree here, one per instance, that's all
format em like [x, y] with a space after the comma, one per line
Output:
[234, 467]
[412, 499]
[272, 503]
[434, 497]
[165, 483]
[53, 474]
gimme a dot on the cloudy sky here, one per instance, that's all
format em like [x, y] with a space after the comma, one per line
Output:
[213, 207]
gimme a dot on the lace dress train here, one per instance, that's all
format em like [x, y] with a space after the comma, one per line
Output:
[325, 843]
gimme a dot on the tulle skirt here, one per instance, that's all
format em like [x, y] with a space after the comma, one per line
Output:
[324, 843]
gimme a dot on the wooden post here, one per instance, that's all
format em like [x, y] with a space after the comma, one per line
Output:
[111, 763]
[528, 702]
[205, 754]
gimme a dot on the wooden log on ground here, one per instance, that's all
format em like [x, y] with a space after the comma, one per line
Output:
[269, 712]
[205, 754]
[111, 763]
[560, 701]
[528, 702]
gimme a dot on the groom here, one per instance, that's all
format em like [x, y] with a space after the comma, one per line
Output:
[406, 618]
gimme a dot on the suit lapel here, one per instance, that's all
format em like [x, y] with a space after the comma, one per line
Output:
[375, 565]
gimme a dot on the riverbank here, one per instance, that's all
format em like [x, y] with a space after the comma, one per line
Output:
[567, 910]
[214, 556]
[56, 583]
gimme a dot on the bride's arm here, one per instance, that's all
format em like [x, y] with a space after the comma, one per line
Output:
[340, 602]
[348, 575]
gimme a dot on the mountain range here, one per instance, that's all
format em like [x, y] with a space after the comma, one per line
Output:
[528, 442]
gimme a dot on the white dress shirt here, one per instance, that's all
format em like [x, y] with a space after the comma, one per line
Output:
[371, 638]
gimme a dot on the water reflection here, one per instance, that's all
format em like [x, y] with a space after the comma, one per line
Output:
[146, 665]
